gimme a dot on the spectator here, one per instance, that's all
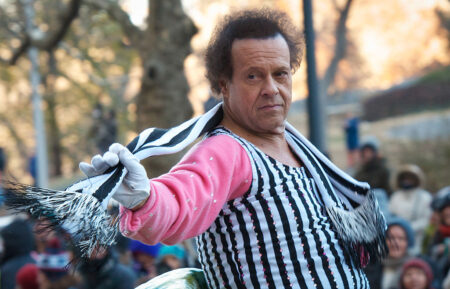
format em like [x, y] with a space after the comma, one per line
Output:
[400, 238]
[18, 243]
[53, 267]
[416, 274]
[171, 258]
[351, 129]
[411, 202]
[105, 272]
[27, 277]
[433, 225]
[441, 243]
[32, 168]
[43, 233]
[145, 257]
[373, 167]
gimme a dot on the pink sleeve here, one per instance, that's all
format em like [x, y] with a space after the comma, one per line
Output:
[185, 202]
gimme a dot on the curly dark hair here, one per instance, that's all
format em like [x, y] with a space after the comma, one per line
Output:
[255, 23]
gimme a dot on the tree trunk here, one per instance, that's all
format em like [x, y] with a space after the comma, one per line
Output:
[162, 100]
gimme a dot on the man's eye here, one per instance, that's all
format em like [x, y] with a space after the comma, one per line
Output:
[281, 73]
[251, 76]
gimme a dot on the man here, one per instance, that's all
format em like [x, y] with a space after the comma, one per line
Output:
[268, 210]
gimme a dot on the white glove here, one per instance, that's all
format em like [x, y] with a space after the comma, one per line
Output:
[135, 188]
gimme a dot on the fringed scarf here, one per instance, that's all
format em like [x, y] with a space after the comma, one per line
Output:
[81, 208]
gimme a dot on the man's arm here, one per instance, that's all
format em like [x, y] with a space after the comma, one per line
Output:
[184, 202]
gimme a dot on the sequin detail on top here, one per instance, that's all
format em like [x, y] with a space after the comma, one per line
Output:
[277, 235]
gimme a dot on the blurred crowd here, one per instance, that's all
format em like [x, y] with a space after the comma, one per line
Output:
[35, 256]
[418, 224]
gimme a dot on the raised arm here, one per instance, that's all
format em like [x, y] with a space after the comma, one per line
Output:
[184, 202]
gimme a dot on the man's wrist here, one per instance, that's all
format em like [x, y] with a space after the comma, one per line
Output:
[140, 205]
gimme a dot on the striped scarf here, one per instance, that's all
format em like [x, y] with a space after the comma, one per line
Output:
[82, 208]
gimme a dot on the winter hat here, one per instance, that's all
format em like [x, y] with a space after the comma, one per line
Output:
[441, 200]
[137, 247]
[406, 227]
[370, 142]
[175, 250]
[54, 261]
[417, 263]
[412, 170]
[27, 277]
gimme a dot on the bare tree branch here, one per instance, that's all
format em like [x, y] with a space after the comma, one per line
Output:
[339, 48]
[119, 15]
[49, 40]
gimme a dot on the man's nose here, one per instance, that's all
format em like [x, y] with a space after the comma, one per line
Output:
[270, 87]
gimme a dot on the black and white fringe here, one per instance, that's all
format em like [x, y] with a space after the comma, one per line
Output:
[362, 230]
[81, 215]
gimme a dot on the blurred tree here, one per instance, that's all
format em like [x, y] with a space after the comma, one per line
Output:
[161, 48]
[444, 19]
[340, 49]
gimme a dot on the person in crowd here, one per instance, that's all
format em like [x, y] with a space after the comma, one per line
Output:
[433, 225]
[400, 239]
[441, 243]
[145, 257]
[104, 271]
[373, 168]
[416, 273]
[27, 277]
[43, 233]
[351, 130]
[411, 202]
[54, 267]
[170, 258]
[18, 242]
[268, 209]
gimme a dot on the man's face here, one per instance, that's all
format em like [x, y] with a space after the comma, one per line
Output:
[258, 96]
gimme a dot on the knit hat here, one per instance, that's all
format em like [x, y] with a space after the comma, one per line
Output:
[441, 200]
[27, 277]
[417, 263]
[175, 250]
[406, 227]
[54, 261]
[137, 247]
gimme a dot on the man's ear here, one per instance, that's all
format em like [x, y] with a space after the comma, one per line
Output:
[223, 88]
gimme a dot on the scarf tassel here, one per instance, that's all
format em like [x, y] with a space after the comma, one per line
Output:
[81, 215]
[362, 230]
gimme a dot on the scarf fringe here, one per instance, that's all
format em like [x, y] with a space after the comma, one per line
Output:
[361, 230]
[81, 215]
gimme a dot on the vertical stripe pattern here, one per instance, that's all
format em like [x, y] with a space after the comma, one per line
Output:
[277, 235]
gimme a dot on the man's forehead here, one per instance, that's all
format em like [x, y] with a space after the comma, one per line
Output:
[275, 40]
[273, 47]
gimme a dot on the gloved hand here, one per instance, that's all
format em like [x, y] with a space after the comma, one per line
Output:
[135, 188]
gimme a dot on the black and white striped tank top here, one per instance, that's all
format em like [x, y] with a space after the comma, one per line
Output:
[277, 235]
